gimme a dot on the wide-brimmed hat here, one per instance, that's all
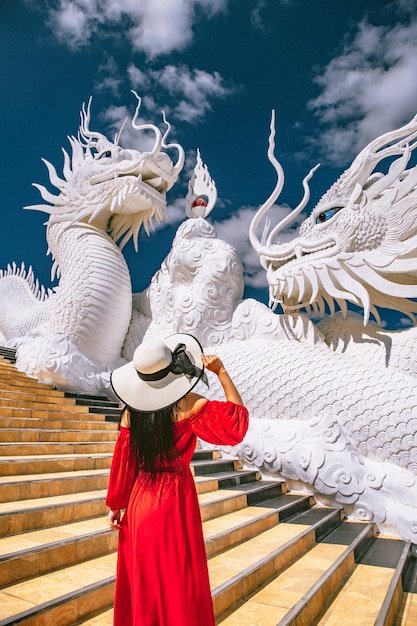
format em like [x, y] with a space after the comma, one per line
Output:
[160, 374]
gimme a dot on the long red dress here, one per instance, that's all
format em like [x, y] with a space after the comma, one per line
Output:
[162, 575]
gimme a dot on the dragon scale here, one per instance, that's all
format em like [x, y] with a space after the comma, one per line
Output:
[91, 254]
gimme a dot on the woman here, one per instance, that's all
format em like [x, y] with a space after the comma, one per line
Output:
[162, 575]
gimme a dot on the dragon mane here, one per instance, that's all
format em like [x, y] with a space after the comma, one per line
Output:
[359, 243]
[120, 189]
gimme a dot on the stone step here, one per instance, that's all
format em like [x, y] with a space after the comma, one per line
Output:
[52, 397]
[83, 398]
[34, 553]
[94, 402]
[12, 382]
[40, 513]
[376, 577]
[104, 410]
[61, 597]
[64, 413]
[57, 447]
[223, 480]
[200, 454]
[55, 504]
[297, 594]
[7, 353]
[392, 604]
[21, 469]
[9, 372]
[202, 466]
[270, 547]
[216, 489]
[14, 435]
[56, 424]
[407, 611]
[31, 387]
[102, 619]
[231, 529]
[39, 404]
[98, 405]
[242, 570]
[7, 368]
[34, 486]
[217, 503]
[38, 552]
[48, 463]
[64, 594]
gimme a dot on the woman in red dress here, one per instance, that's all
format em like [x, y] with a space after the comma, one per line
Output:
[162, 575]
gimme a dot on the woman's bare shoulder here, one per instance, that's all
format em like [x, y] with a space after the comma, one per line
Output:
[198, 402]
[191, 404]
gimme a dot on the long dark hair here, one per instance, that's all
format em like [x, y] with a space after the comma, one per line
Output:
[152, 438]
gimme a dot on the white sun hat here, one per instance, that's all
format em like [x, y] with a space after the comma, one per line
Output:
[160, 374]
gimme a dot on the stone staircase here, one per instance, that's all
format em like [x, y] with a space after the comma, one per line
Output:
[275, 558]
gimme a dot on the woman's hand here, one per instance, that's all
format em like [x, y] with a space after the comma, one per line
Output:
[212, 363]
[114, 518]
[215, 365]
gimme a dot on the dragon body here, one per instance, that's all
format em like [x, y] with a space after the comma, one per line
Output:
[333, 405]
[338, 422]
[67, 338]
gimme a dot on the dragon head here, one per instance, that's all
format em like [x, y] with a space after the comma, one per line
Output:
[359, 243]
[108, 186]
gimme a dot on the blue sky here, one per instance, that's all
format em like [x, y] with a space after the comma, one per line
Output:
[337, 74]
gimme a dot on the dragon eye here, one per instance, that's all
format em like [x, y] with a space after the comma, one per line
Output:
[104, 155]
[324, 216]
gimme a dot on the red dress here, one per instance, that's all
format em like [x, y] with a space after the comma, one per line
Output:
[162, 575]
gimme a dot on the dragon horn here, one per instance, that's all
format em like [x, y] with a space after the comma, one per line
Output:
[181, 155]
[290, 218]
[85, 132]
[158, 136]
[387, 145]
[253, 237]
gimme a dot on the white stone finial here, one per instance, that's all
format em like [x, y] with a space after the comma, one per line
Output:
[202, 192]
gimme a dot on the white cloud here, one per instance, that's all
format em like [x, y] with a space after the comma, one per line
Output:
[75, 22]
[187, 92]
[116, 116]
[160, 26]
[211, 7]
[154, 27]
[137, 78]
[369, 89]
[192, 90]
[108, 77]
[257, 18]
[408, 6]
[187, 95]
[176, 211]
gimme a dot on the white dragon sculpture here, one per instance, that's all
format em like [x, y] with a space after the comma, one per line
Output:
[72, 336]
[334, 405]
